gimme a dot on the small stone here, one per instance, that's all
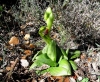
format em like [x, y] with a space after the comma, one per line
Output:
[24, 63]
[72, 79]
[27, 36]
[0, 74]
[79, 78]
[77, 60]
[94, 77]
[42, 80]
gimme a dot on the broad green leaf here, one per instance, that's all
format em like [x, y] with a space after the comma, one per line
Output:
[36, 64]
[45, 59]
[64, 53]
[59, 54]
[75, 54]
[52, 51]
[65, 64]
[58, 71]
[60, 59]
[38, 53]
[67, 52]
[42, 56]
[45, 49]
[73, 64]
[48, 62]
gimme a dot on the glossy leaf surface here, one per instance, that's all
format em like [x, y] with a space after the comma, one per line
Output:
[75, 54]
[58, 71]
[73, 64]
[52, 51]
[36, 64]
[65, 64]
[64, 53]
[45, 59]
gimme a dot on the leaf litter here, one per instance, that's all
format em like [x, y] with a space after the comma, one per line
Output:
[16, 56]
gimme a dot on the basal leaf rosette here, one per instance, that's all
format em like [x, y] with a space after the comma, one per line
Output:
[60, 61]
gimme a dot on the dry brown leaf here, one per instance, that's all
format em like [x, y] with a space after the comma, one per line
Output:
[89, 59]
[28, 52]
[85, 64]
[27, 36]
[14, 41]
[55, 36]
[34, 80]
[31, 46]
[74, 76]
[29, 23]
[94, 52]
[22, 32]
[23, 26]
[12, 63]
[8, 68]
[59, 78]
[1, 58]
[83, 56]
[24, 57]
[66, 79]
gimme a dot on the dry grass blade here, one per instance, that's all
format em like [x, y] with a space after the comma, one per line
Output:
[8, 76]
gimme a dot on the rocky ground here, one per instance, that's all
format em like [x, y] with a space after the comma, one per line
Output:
[19, 44]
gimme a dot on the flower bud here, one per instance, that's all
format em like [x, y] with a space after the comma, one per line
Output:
[49, 23]
[49, 11]
[46, 16]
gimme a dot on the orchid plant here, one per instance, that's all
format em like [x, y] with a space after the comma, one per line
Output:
[60, 61]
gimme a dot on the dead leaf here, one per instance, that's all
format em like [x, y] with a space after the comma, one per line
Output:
[24, 57]
[29, 23]
[66, 79]
[59, 78]
[8, 68]
[22, 32]
[28, 52]
[34, 80]
[14, 41]
[12, 63]
[1, 59]
[83, 56]
[23, 26]
[31, 46]
[89, 59]
[55, 36]
[94, 52]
